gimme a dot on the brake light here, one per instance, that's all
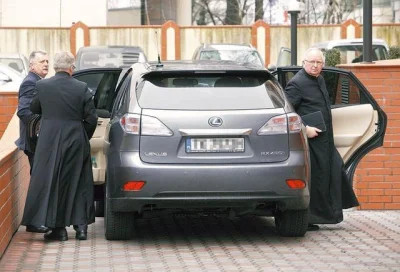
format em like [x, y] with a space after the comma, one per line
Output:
[296, 183]
[130, 123]
[145, 125]
[134, 185]
[280, 124]
[295, 122]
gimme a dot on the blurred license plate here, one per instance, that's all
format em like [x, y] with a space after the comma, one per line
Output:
[216, 145]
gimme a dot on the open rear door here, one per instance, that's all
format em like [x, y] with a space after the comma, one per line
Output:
[102, 83]
[359, 124]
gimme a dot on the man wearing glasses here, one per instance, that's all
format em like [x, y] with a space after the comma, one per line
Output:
[330, 190]
[60, 192]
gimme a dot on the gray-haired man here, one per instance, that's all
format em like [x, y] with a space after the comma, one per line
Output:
[61, 189]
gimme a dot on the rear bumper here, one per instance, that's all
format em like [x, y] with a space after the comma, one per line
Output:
[194, 186]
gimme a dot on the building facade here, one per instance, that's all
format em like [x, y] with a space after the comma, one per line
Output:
[52, 13]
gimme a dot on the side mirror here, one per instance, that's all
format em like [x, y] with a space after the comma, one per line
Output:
[103, 113]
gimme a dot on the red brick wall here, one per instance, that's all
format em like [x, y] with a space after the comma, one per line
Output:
[8, 106]
[14, 182]
[377, 178]
[14, 173]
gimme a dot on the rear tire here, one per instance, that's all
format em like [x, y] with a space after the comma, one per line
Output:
[291, 223]
[118, 226]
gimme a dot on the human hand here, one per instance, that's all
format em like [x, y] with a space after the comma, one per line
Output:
[312, 132]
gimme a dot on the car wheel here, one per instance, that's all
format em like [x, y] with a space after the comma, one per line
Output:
[118, 226]
[99, 208]
[291, 223]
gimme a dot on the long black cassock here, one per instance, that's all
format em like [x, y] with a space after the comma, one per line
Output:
[331, 191]
[61, 188]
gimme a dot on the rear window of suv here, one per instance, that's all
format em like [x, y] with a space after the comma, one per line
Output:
[199, 91]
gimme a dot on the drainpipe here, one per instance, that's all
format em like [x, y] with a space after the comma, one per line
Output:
[367, 31]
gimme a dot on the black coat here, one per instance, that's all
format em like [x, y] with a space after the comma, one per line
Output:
[61, 188]
[25, 95]
[331, 192]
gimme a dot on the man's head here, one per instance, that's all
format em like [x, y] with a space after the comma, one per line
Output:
[313, 61]
[64, 61]
[39, 63]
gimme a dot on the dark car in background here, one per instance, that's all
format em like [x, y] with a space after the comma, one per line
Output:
[243, 53]
[120, 56]
[217, 138]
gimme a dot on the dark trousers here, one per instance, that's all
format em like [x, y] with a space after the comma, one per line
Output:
[30, 158]
[81, 227]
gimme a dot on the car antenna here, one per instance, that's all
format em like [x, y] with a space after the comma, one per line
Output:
[159, 64]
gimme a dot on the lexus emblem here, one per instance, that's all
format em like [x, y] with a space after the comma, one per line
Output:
[215, 121]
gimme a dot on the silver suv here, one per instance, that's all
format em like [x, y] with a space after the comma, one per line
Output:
[243, 53]
[215, 137]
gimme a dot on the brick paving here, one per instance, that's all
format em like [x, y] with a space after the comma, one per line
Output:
[365, 241]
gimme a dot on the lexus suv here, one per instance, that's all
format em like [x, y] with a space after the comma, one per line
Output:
[216, 137]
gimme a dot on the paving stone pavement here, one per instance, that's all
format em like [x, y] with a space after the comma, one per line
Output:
[364, 241]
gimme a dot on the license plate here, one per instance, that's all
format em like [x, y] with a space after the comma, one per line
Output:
[214, 145]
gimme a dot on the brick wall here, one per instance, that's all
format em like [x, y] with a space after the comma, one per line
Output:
[14, 182]
[8, 105]
[14, 171]
[377, 178]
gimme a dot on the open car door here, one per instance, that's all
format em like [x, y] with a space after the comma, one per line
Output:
[359, 124]
[102, 83]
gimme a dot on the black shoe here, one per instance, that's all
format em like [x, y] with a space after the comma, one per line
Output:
[57, 234]
[40, 229]
[81, 235]
[81, 232]
[312, 227]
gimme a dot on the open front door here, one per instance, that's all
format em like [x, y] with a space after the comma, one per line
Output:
[102, 83]
[359, 123]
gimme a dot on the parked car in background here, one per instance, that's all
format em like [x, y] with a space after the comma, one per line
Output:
[243, 53]
[217, 138]
[120, 56]
[351, 50]
[16, 61]
[10, 80]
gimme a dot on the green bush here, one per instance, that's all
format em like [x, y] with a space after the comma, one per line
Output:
[394, 52]
[332, 57]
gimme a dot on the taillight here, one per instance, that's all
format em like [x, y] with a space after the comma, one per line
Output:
[134, 185]
[280, 124]
[145, 125]
[296, 183]
[153, 126]
[130, 123]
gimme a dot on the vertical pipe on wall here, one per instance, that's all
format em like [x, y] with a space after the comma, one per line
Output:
[367, 30]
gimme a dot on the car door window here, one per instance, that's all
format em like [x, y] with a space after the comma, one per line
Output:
[102, 85]
[102, 97]
[122, 96]
[92, 80]
[343, 90]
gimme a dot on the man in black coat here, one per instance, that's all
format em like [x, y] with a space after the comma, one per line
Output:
[38, 69]
[331, 192]
[60, 192]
